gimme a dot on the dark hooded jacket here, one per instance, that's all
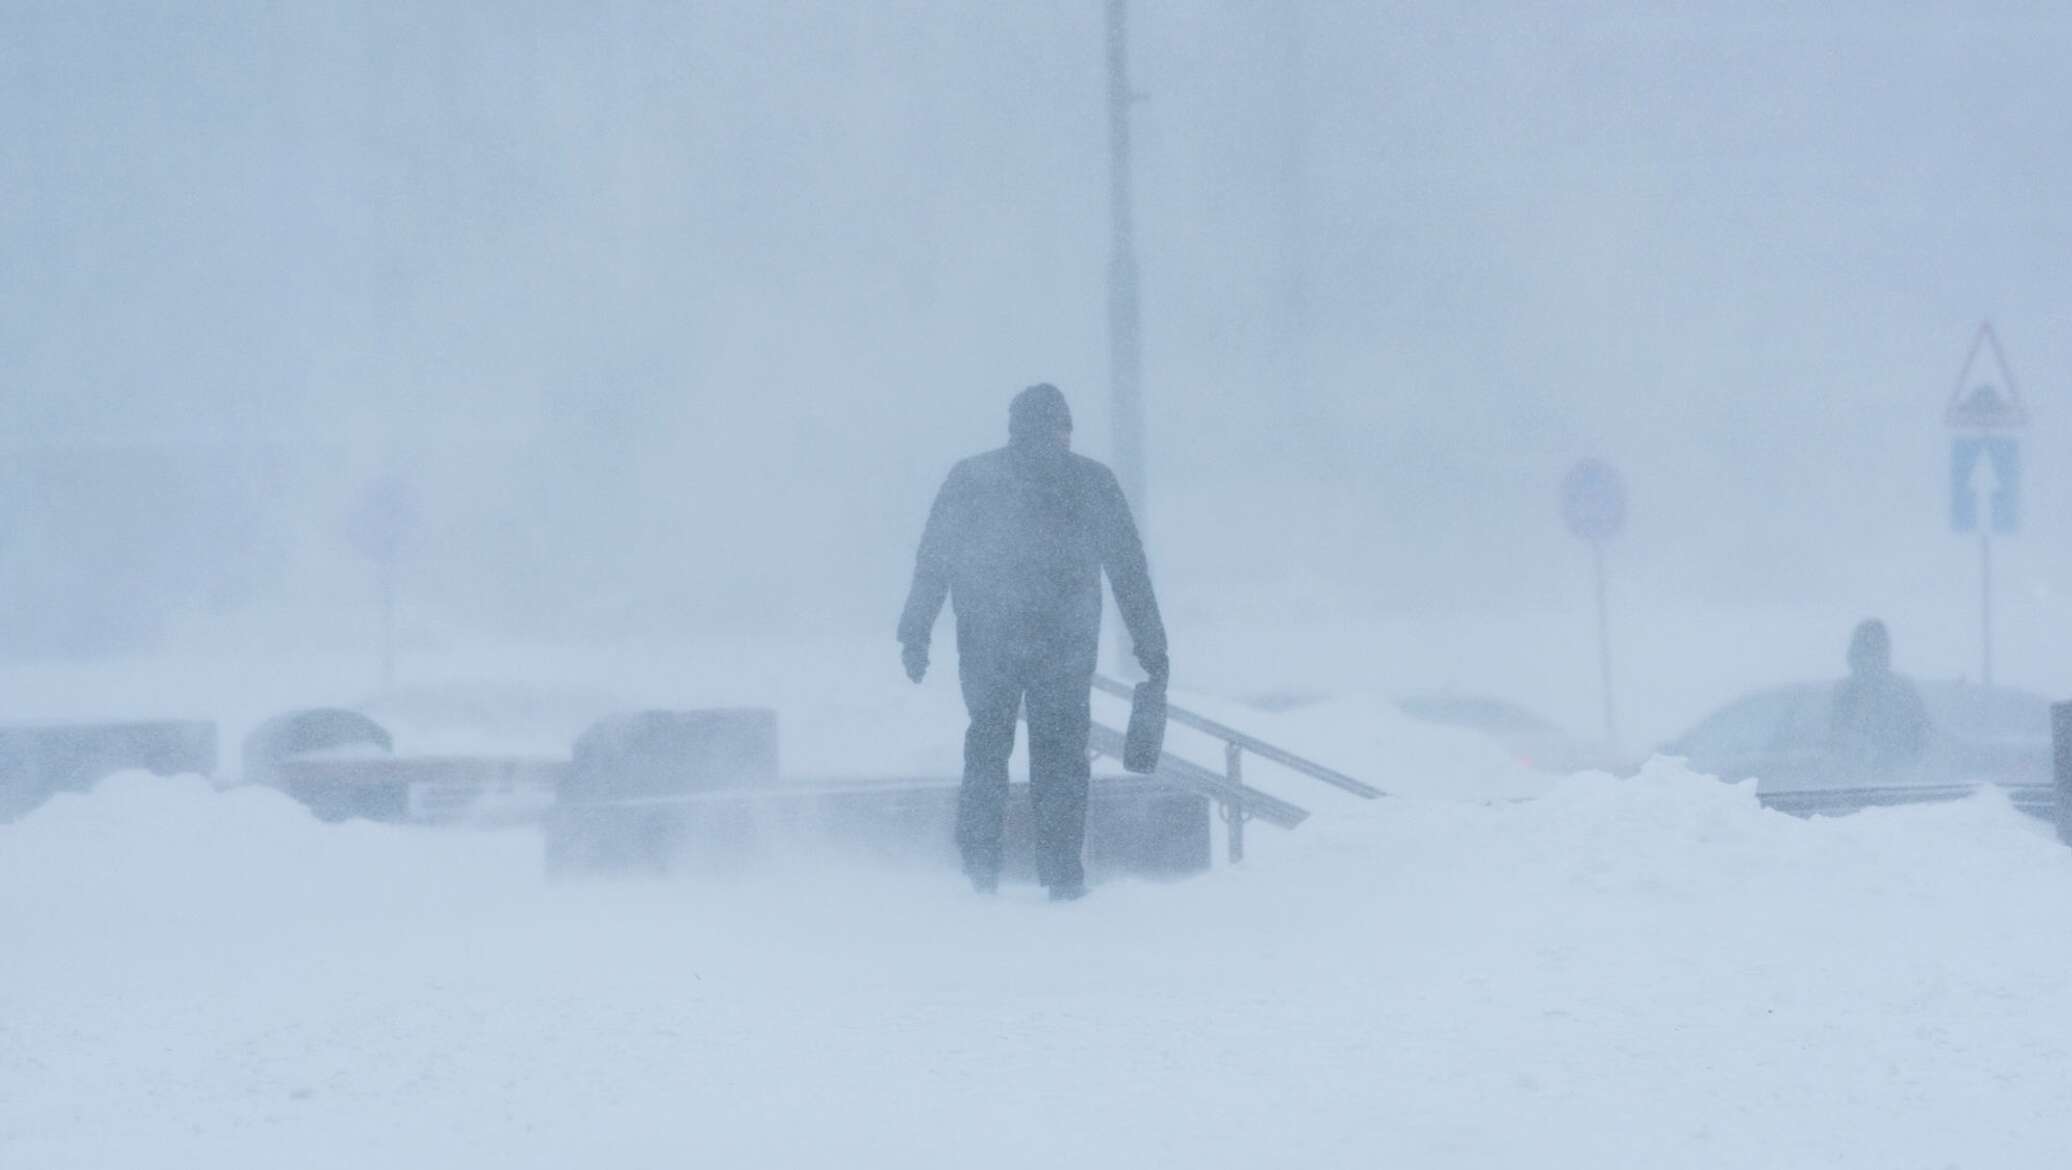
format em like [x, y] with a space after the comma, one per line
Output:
[1017, 540]
[1876, 717]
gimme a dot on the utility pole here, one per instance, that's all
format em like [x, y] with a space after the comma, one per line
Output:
[1125, 357]
[1125, 354]
[1290, 308]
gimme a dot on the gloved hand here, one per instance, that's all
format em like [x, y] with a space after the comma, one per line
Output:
[915, 657]
[1157, 667]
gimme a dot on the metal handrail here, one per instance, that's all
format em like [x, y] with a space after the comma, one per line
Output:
[1257, 747]
[1250, 802]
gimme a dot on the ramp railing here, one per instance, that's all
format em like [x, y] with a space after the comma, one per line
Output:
[1239, 802]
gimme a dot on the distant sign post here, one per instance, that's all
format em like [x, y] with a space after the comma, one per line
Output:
[1986, 416]
[379, 528]
[1593, 506]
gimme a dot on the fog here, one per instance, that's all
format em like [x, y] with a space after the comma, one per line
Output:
[463, 463]
[673, 316]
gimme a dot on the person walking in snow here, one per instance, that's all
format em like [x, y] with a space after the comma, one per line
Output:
[1017, 541]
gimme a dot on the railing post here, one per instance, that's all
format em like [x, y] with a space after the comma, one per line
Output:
[1234, 768]
[2061, 760]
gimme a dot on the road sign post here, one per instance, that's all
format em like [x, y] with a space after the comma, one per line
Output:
[1985, 607]
[379, 528]
[1986, 414]
[1593, 506]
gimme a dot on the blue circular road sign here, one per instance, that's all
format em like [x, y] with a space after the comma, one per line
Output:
[385, 518]
[1593, 500]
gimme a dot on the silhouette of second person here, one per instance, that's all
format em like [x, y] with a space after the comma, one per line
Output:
[1876, 719]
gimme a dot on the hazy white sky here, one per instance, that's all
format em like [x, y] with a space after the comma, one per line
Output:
[681, 310]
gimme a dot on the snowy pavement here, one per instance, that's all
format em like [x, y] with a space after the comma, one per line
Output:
[1654, 972]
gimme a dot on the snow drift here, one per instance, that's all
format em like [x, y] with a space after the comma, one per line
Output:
[1652, 971]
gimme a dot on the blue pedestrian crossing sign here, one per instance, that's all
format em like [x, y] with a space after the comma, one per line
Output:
[1986, 483]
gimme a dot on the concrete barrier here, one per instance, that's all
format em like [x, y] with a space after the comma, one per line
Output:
[340, 763]
[1136, 827]
[298, 733]
[672, 753]
[423, 789]
[40, 760]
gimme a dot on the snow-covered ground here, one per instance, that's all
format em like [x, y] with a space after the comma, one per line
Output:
[1653, 972]
[1491, 968]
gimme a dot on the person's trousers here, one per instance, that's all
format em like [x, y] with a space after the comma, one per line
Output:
[1060, 711]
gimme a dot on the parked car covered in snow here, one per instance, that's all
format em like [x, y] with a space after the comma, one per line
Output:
[1536, 742]
[1781, 738]
[1531, 740]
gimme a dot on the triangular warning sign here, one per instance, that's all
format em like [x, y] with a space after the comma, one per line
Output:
[1986, 397]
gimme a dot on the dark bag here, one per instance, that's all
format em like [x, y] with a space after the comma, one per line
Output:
[1146, 739]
